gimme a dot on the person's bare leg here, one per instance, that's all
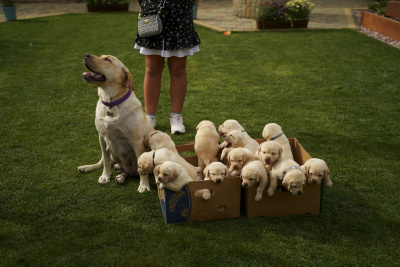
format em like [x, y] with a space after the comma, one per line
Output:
[178, 82]
[178, 87]
[152, 82]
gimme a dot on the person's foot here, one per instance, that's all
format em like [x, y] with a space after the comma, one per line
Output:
[177, 126]
[152, 120]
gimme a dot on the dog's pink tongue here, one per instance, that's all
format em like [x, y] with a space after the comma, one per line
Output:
[85, 74]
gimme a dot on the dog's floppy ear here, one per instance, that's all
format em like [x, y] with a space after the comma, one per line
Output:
[156, 171]
[127, 79]
[205, 172]
[226, 171]
[286, 183]
[280, 151]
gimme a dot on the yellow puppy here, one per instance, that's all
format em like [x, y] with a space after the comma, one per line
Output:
[172, 176]
[269, 153]
[156, 139]
[237, 158]
[217, 172]
[237, 138]
[316, 170]
[254, 172]
[206, 143]
[293, 178]
[226, 127]
[273, 132]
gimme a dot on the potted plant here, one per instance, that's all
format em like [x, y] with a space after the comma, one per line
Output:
[9, 9]
[298, 11]
[107, 6]
[284, 14]
[195, 7]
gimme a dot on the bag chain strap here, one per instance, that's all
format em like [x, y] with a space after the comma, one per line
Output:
[160, 8]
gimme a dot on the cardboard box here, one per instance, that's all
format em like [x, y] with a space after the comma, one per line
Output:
[283, 203]
[184, 206]
[225, 202]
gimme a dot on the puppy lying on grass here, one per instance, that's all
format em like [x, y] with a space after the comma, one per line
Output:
[293, 178]
[171, 175]
[273, 132]
[316, 170]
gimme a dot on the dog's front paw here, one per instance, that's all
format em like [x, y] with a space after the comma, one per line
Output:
[143, 188]
[329, 183]
[120, 179]
[85, 168]
[206, 195]
[258, 197]
[104, 179]
[271, 192]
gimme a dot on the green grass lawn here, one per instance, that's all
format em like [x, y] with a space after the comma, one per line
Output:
[336, 91]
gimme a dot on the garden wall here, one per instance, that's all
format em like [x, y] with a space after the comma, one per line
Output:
[246, 8]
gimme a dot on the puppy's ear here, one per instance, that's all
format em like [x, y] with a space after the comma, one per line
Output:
[258, 177]
[286, 184]
[127, 79]
[327, 175]
[304, 169]
[175, 172]
[205, 172]
[226, 171]
[280, 151]
[258, 151]
[146, 141]
[156, 171]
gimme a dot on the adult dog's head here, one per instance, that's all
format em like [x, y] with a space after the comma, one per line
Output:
[107, 71]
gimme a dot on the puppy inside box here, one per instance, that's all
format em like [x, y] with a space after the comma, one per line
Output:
[184, 206]
[283, 203]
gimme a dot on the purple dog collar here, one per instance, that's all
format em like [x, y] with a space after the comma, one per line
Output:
[119, 101]
[273, 138]
[285, 172]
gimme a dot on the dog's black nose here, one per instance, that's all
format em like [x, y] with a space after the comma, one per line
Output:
[218, 180]
[88, 55]
[300, 193]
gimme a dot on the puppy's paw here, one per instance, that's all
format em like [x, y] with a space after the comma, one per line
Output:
[258, 197]
[143, 188]
[271, 192]
[104, 179]
[120, 179]
[329, 183]
[206, 195]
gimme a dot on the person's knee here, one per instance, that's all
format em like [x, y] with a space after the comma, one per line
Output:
[177, 70]
[154, 70]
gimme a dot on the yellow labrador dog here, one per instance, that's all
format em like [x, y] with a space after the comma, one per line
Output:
[217, 172]
[157, 139]
[316, 170]
[237, 158]
[149, 160]
[291, 175]
[269, 153]
[172, 176]
[236, 139]
[206, 143]
[254, 172]
[273, 132]
[120, 120]
[226, 127]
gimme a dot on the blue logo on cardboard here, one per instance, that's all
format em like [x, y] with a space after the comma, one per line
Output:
[175, 206]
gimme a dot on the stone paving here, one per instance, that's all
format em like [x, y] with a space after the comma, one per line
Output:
[216, 14]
